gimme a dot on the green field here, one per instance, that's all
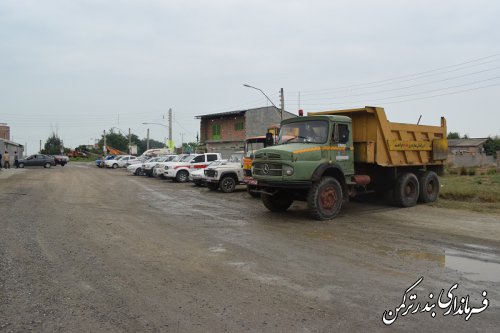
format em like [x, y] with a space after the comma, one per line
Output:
[478, 193]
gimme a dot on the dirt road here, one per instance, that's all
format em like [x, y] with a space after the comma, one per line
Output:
[86, 249]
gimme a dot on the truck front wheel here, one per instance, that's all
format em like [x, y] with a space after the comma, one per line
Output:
[406, 190]
[429, 187]
[325, 199]
[227, 184]
[278, 202]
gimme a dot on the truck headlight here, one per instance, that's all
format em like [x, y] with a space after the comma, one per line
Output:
[287, 170]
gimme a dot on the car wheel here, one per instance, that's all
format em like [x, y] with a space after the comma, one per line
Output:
[21, 165]
[182, 176]
[227, 184]
[115, 166]
[47, 165]
[137, 172]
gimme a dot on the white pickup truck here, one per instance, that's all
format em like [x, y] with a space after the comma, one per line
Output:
[226, 175]
[179, 171]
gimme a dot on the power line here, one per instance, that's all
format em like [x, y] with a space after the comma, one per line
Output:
[411, 76]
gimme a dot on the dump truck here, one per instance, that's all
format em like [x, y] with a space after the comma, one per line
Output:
[328, 157]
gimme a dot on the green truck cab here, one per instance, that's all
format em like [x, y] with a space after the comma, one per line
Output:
[327, 157]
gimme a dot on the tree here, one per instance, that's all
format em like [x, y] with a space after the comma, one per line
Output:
[53, 145]
[492, 145]
[453, 135]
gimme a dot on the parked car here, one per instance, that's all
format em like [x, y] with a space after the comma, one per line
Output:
[136, 168]
[61, 160]
[179, 171]
[37, 160]
[148, 167]
[159, 169]
[119, 162]
[226, 175]
[100, 163]
[197, 176]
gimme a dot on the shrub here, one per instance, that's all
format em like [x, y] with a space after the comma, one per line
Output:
[491, 172]
[472, 172]
[463, 171]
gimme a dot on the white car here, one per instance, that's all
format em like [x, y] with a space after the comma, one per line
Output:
[226, 175]
[120, 162]
[136, 168]
[179, 171]
[197, 176]
[159, 169]
[149, 166]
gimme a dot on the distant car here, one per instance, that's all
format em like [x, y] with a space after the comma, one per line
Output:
[136, 168]
[119, 162]
[100, 163]
[37, 160]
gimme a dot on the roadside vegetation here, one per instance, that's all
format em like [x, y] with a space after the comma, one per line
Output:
[471, 189]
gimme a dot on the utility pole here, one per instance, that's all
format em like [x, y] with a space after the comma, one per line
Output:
[104, 149]
[129, 141]
[282, 96]
[40, 151]
[169, 126]
[147, 141]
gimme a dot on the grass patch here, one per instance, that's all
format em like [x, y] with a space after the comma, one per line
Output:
[473, 192]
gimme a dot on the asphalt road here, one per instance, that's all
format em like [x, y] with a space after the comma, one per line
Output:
[86, 249]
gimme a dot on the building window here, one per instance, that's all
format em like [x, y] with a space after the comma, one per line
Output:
[239, 126]
[215, 131]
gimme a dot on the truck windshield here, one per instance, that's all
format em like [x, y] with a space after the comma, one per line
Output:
[308, 131]
[251, 147]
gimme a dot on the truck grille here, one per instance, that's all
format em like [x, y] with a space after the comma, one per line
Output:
[209, 172]
[267, 169]
[270, 156]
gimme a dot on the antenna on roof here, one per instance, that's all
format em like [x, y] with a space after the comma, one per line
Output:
[418, 122]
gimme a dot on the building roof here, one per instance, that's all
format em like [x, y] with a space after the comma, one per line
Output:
[466, 142]
[12, 143]
[236, 113]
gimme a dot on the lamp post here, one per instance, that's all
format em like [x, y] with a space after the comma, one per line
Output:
[263, 93]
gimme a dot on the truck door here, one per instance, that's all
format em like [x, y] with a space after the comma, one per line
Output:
[341, 152]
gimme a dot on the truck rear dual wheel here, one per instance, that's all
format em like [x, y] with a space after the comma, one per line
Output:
[406, 190]
[325, 199]
[278, 202]
[429, 187]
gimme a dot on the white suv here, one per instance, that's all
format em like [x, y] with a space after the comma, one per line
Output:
[226, 175]
[179, 171]
[120, 162]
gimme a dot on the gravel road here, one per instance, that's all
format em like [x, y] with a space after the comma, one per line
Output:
[87, 249]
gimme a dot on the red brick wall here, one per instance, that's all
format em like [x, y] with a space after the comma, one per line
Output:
[5, 132]
[227, 128]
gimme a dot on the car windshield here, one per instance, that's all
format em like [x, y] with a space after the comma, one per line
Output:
[187, 158]
[154, 159]
[309, 131]
[251, 147]
[175, 158]
[235, 158]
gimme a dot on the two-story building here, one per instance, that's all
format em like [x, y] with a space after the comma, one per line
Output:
[226, 132]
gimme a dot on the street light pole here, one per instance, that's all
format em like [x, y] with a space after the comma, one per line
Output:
[263, 93]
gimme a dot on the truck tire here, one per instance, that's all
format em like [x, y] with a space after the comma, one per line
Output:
[429, 187]
[252, 192]
[227, 184]
[406, 190]
[213, 186]
[182, 176]
[324, 199]
[279, 202]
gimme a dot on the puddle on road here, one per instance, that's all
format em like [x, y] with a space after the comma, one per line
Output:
[473, 265]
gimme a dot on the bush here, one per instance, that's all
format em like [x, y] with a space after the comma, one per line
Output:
[472, 172]
[463, 171]
[491, 172]
[453, 171]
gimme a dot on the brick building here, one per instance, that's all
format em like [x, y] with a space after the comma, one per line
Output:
[4, 131]
[226, 132]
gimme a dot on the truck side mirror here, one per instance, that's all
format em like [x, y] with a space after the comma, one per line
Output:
[269, 139]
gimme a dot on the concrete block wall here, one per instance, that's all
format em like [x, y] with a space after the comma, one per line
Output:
[259, 120]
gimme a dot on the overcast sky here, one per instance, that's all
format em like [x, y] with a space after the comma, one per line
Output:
[79, 67]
